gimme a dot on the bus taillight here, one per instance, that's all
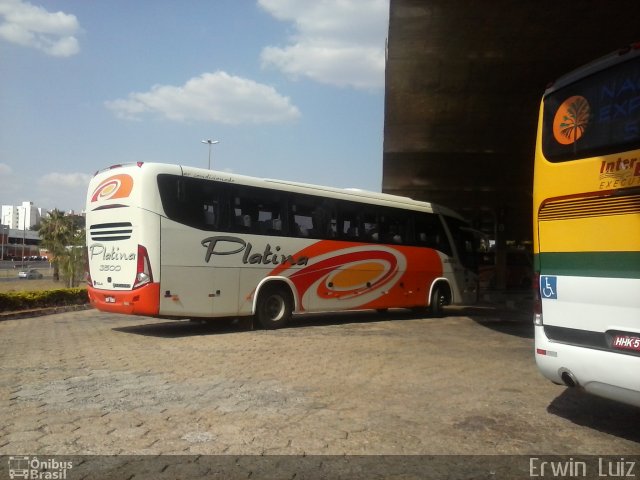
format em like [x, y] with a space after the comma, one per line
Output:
[537, 300]
[143, 272]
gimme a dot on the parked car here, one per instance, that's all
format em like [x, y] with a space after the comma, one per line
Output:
[29, 274]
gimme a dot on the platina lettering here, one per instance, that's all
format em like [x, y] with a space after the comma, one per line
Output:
[226, 245]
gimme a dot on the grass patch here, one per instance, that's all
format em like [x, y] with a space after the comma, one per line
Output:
[22, 285]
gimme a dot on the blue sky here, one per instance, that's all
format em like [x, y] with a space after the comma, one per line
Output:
[292, 89]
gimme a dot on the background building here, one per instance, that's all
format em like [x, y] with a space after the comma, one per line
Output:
[21, 217]
[464, 82]
[17, 239]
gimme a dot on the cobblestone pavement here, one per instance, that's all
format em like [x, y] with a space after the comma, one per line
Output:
[353, 383]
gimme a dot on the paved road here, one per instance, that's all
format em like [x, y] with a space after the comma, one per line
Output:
[94, 383]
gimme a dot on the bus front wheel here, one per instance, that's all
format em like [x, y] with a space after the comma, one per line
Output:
[274, 307]
[439, 298]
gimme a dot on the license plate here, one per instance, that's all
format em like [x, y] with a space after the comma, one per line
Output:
[626, 342]
[110, 299]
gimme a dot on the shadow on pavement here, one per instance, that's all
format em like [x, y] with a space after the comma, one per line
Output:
[181, 328]
[516, 322]
[497, 318]
[597, 413]
[218, 326]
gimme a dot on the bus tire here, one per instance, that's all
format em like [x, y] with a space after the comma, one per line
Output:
[439, 298]
[274, 307]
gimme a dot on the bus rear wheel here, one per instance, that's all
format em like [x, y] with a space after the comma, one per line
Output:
[274, 307]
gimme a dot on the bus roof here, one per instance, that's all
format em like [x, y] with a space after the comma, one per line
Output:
[382, 199]
[301, 187]
[602, 63]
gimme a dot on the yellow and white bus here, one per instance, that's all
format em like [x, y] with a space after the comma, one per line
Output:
[586, 204]
[181, 242]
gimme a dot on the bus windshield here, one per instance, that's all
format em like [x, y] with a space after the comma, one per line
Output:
[606, 104]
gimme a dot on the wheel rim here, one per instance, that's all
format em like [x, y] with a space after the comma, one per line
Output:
[274, 308]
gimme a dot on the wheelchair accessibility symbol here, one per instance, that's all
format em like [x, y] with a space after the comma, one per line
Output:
[549, 287]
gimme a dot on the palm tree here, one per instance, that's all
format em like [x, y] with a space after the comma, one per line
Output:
[56, 232]
[72, 260]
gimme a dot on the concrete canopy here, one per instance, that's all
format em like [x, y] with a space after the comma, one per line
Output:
[464, 80]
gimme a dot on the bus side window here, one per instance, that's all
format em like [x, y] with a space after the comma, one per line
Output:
[323, 219]
[349, 229]
[394, 233]
[312, 216]
[171, 188]
[241, 220]
[369, 221]
[303, 216]
[394, 226]
[302, 222]
[257, 210]
[346, 224]
[194, 202]
[212, 196]
[430, 233]
[211, 214]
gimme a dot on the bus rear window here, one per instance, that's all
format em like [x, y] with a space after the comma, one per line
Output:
[597, 115]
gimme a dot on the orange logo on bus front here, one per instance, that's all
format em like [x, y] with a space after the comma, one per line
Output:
[117, 186]
[571, 120]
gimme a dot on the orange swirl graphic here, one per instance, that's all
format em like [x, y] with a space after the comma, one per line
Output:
[117, 186]
[349, 272]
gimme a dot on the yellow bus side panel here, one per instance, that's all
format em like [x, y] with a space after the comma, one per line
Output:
[616, 233]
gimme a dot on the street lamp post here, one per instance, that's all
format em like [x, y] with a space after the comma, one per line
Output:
[210, 142]
[24, 230]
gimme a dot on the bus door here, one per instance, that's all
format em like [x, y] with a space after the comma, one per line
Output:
[467, 282]
[465, 260]
[189, 285]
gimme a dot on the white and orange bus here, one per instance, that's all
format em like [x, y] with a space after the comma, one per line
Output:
[181, 242]
[586, 205]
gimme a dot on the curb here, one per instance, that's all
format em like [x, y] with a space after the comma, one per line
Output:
[40, 312]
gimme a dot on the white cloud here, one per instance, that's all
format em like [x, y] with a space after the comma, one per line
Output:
[32, 26]
[337, 42]
[211, 97]
[65, 191]
[5, 169]
[65, 180]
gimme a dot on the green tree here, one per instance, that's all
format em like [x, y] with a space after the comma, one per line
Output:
[56, 232]
[72, 261]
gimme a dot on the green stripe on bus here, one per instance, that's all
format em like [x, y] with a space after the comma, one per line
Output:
[589, 264]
